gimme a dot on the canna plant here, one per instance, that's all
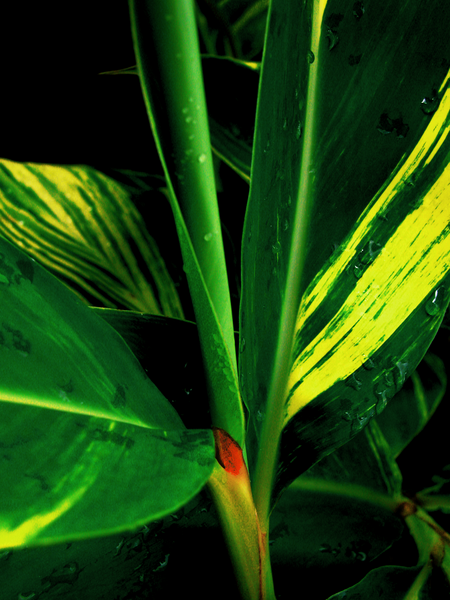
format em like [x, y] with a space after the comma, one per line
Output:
[345, 283]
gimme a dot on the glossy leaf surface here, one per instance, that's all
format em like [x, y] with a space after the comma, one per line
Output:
[167, 53]
[377, 194]
[83, 226]
[85, 434]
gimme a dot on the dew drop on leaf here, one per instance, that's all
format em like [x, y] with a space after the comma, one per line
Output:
[207, 237]
[382, 403]
[333, 39]
[430, 105]
[202, 158]
[358, 271]
[358, 10]
[310, 56]
[353, 382]
[433, 304]
[369, 364]
[276, 248]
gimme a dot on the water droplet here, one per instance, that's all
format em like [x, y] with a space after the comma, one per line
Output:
[298, 131]
[385, 125]
[185, 110]
[242, 348]
[369, 253]
[333, 39]
[276, 248]
[362, 420]
[285, 125]
[382, 403]
[400, 374]
[207, 237]
[353, 382]
[361, 556]
[188, 119]
[358, 271]
[202, 158]
[430, 105]
[285, 224]
[27, 595]
[191, 99]
[163, 564]
[369, 364]
[389, 378]
[347, 416]
[433, 304]
[358, 10]
[310, 56]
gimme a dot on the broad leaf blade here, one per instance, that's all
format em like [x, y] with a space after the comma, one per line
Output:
[84, 227]
[386, 281]
[78, 415]
[72, 476]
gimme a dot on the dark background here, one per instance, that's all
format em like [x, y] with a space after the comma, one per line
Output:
[57, 109]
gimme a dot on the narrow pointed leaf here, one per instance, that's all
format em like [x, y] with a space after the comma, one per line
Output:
[83, 227]
[80, 420]
[276, 224]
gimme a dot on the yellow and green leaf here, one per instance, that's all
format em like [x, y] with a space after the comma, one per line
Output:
[80, 419]
[347, 247]
[83, 227]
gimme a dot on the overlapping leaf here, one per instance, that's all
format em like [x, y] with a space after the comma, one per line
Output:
[331, 150]
[90, 446]
[83, 226]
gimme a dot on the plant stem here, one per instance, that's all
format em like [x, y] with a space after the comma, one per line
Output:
[229, 486]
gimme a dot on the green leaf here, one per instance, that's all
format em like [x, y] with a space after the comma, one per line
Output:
[412, 408]
[276, 229]
[83, 226]
[175, 349]
[330, 535]
[166, 48]
[391, 582]
[369, 459]
[368, 312]
[90, 445]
